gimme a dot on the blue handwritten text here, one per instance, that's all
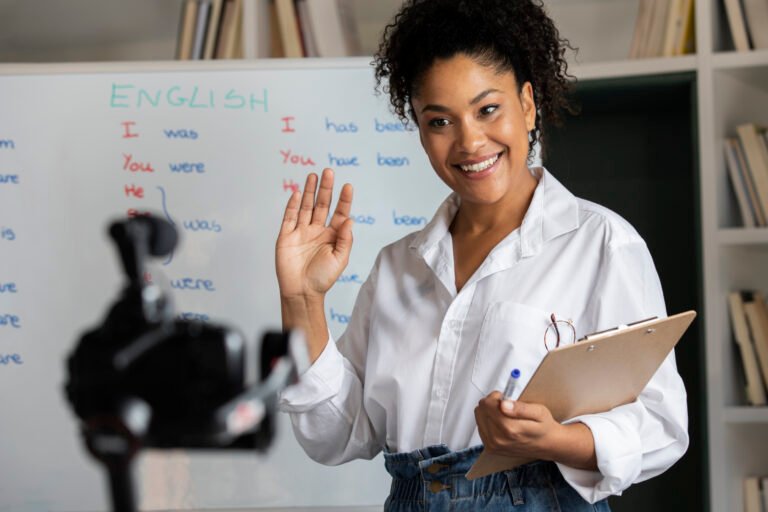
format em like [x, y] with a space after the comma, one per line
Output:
[341, 161]
[202, 225]
[7, 234]
[407, 220]
[198, 317]
[190, 283]
[180, 134]
[338, 317]
[391, 161]
[340, 127]
[8, 288]
[7, 320]
[187, 167]
[9, 359]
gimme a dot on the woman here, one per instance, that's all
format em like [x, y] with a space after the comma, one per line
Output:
[447, 312]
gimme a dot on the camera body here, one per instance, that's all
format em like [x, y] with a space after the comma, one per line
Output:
[144, 378]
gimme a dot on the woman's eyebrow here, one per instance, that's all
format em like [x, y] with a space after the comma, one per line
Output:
[476, 99]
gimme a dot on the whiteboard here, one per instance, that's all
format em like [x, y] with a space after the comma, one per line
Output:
[216, 148]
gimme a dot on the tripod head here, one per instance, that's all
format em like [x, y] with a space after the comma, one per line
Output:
[143, 378]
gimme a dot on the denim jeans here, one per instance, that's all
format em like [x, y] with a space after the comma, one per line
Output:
[433, 478]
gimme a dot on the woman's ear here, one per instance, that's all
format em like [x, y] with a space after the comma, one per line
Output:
[529, 105]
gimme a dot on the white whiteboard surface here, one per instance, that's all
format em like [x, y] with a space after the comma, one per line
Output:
[73, 141]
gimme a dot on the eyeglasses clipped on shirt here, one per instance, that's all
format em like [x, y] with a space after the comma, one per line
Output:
[559, 332]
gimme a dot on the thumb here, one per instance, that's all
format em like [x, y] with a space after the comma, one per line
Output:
[344, 240]
[508, 407]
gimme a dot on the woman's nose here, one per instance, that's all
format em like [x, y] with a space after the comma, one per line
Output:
[471, 137]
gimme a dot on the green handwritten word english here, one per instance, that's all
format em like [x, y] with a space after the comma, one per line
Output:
[193, 97]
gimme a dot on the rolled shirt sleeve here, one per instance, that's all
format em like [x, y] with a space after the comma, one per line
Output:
[326, 405]
[636, 441]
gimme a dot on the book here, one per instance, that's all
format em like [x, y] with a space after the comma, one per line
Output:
[764, 492]
[752, 498]
[349, 30]
[201, 27]
[305, 27]
[685, 42]
[761, 216]
[287, 23]
[275, 42]
[228, 30]
[758, 327]
[186, 30]
[756, 14]
[257, 29]
[642, 25]
[655, 44]
[674, 25]
[737, 24]
[756, 153]
[737, 178]
[754, 385]
[211, 35]
[332, 29]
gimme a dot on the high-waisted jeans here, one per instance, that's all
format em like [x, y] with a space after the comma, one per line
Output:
[433, 478]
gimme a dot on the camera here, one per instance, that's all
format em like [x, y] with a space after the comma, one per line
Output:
[144, 378]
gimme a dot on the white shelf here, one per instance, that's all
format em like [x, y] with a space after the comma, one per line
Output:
[634, 67]
[731, 60]
[740, 415]
[742, 236]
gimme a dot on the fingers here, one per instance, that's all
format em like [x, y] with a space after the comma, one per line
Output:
[343, 207]
[291, 215]
[308, 200]
[323, 200]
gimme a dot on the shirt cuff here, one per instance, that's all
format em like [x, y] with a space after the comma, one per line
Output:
[321, 382]
[619, 456]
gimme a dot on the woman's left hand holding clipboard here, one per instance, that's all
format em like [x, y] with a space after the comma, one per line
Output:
[528, 430]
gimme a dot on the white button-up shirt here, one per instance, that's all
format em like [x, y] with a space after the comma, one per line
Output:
[417, 355]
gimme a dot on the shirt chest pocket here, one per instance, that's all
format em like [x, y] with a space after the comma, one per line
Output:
[511, 336]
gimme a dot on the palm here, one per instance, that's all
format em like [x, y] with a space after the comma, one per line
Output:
[310, 254]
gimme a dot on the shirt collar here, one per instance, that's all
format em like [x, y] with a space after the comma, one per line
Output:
[553, 212]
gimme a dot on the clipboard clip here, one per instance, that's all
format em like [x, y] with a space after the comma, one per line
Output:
[617, 328]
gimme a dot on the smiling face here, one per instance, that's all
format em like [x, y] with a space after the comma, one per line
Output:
[473, 123]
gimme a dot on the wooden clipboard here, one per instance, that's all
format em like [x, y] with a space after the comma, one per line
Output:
[601, 371]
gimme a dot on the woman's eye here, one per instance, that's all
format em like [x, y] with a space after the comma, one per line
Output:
[488, 109]
[438, 122]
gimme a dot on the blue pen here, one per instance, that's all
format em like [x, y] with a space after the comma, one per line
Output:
[514, 376]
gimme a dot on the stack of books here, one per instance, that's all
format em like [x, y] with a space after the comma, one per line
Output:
[749, 321]
[663, 28]
[748, 20]
[756, 494]
[746, 158]
[227, 29]
[210, 29]
[318, 28]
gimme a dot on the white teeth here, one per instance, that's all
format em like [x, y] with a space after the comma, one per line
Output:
[480, 166]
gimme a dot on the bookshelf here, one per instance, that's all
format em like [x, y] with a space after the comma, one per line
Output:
[724, 88]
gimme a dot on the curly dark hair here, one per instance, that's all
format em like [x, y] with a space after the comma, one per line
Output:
[509, 35]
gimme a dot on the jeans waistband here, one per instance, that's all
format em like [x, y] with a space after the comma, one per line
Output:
[438, 462]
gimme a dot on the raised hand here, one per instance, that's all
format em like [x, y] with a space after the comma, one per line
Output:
[311, 253]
